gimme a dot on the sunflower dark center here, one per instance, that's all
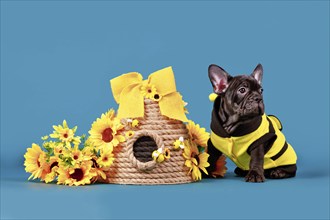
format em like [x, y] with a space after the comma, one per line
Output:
[65, 135]
[105, 158]
[107, 135]
[95, 165]
[78, 174]
[194, 155]
[149, 91]
[75, 157]
[55, 164]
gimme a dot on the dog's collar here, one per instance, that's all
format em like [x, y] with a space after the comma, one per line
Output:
[217, 128]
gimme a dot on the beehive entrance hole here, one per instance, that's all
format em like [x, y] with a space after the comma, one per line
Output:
[143, 148]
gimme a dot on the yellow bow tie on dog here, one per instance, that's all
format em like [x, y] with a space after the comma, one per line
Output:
[129, 91]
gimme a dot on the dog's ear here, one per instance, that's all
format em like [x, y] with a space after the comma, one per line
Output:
[258, 73]
[219, 78]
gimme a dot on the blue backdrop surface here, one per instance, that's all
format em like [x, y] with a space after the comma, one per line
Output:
[57, 58]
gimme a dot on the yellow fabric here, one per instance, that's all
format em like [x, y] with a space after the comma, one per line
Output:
[276, 120]
[126, 91]
[236, 148]
[212, 97]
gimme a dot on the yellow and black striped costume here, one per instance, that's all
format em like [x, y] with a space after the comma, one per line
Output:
[277, 151]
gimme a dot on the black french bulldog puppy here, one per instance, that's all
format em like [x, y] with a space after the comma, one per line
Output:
[243, 132]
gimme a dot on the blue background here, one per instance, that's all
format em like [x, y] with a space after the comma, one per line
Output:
[57, 59]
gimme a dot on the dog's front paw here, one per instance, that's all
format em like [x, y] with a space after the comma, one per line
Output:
[255, 176]
[277, 174]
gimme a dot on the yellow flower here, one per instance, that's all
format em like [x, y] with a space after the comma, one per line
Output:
[88, 151]
[51, 176]
[104, 132]
[156, 97]
[50, 171]
[78, 175]
[100, 171]
[148, 91]
[44, 137]
[195, 160]
[106, 158]
[110, 114]
[77, 155]
[198, 134]
[167, 153]
[35, 160]
[129, 134]
[59, 149]
[65, 134]
[49, 144]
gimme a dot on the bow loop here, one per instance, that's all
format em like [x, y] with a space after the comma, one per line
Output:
[129, 91]
[119, 83]
[163, 80]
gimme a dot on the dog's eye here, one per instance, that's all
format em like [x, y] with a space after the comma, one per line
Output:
[261, 90]
[242, 90]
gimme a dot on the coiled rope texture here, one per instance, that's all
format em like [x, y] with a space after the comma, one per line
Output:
[126, 169]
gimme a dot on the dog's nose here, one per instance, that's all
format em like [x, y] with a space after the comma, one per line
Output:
[257, 98]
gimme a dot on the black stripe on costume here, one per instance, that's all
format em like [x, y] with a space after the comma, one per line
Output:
[271, 127]
[284, 148]
[267, 139]
[278, 121]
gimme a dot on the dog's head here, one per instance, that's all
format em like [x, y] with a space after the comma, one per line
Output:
[241, 96]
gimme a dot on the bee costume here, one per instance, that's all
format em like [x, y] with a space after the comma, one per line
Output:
[238, 148]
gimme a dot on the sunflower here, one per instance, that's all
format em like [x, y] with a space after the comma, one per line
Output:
[65, 134]
[100, 171]
[50, 170]
[104, 132]
[198, 134]
[148, 91]
[88, 150]
[35, 160]
[106, 158]
[59, 149]
[110, 114]
[77, 175]
[156, 97]
[76, 155]
[195, 160]
[44, 137]
[129, 134]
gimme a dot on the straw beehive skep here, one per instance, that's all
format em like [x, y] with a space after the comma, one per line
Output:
[127, 169]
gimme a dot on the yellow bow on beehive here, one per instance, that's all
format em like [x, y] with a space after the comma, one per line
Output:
[130, 89]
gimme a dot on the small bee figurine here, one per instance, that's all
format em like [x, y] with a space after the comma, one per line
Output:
[159, 156]
[178, 144]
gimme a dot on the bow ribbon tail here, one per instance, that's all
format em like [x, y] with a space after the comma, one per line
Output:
[131, 102]
[172, 106]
